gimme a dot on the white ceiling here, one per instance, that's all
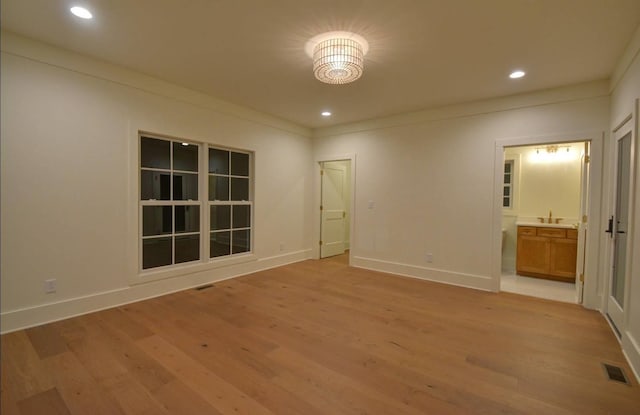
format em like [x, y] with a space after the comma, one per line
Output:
[423, 53]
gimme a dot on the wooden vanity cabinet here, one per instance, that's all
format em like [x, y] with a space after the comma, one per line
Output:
[545, 252]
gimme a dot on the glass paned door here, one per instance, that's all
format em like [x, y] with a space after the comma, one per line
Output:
[621, 217]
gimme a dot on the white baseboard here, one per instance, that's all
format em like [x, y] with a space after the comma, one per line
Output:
[34, 316]
[631, 351]
[478, 282]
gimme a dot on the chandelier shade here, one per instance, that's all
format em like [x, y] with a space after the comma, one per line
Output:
[338, 60]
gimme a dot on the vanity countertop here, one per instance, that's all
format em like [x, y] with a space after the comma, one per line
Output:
[547, 225]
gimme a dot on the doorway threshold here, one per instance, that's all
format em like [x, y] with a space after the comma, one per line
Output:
[540, 288]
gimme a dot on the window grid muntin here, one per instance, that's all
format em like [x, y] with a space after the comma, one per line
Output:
[169, 202]
[230, 202]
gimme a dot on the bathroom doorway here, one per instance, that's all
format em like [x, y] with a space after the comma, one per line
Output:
[544, 219]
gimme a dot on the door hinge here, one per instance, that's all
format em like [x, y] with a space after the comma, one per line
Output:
[320, 243]
[587, 158]
[584, 218]
[344, 214]
[320, 207]
[582, 277]
[321, 172]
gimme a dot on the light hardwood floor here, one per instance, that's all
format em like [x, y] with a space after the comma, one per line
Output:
[319, 337]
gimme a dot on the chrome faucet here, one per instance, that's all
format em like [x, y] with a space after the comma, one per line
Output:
[550, 214]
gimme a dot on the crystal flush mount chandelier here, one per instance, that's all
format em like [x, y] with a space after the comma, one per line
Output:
[338, 57]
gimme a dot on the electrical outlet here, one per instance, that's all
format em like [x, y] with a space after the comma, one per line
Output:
[371, 204]
[50, 286]
[429, 257]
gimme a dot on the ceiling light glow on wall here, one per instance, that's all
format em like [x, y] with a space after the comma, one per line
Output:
[326, 114]
[81, 12]
[517, 74]
[338, 57]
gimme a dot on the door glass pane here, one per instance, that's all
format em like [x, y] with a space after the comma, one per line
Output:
[241, 216]
[239, 164]
[220, 217]
[622, 215]
[507, 167]
[239, 189]
[187, 248]
[220, 244]
[218, 161]
[185, 157]
[218, 188]
[241, 241]
[155, 153]
[155, 185]
[156, 252]
[187, 218]
[156, 220]
[185, 186]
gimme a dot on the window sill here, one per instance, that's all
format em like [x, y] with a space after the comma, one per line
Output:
[190, 268]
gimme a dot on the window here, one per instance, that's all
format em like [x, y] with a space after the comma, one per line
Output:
[172, 202]
[507, 190]
[229, 203]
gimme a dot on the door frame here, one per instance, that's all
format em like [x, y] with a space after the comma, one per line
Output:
[317, 201]
[628, 125]
[592, 298]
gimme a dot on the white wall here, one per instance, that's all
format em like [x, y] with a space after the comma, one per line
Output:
[624, 98]
[431, 178]
[69, 181]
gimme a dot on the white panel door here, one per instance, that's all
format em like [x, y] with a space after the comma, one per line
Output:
[333, 211]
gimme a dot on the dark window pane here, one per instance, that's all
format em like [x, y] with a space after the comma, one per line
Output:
[156, 252]
[507, 191]
[155, 153]
[507, 167]
[241, 216]
[187, 219]
[505, 202]
[187, 248]
[239, 164]
[220, 244]
[240, 241]
[218, 161]
[239, 189]
[220, 217]
[218, 188]
[185, 157]
[507, 178]
[185, 186]
[156, 220]
[155, 185]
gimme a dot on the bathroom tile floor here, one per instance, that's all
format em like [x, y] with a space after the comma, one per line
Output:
[536, 287]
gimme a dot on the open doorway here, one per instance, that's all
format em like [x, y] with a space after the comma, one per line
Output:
[544, 217]
[335, 208]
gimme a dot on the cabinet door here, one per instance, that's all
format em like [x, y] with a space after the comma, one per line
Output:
[563, 258]
[533, 254]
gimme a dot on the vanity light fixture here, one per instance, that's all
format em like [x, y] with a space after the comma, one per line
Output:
[185, 144]
[326, 114]
[81, 12]
[338, 57]
[517, 74]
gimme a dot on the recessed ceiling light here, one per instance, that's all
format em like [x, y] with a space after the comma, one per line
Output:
[326, 114]
[516, 74]
[81, 12]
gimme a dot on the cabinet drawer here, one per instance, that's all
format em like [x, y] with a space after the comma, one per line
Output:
[552, 232]
[572, 233]
[526, 230]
